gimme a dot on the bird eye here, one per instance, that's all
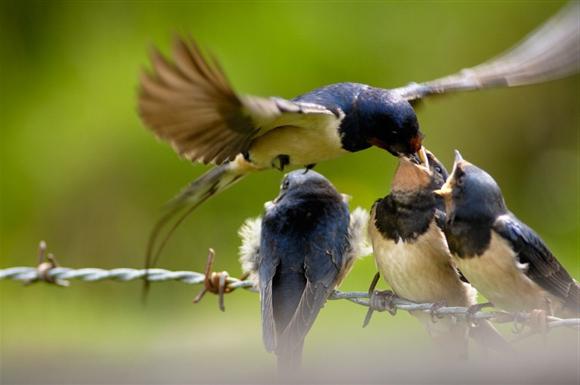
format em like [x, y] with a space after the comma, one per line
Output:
[285, 184]
[438, 169]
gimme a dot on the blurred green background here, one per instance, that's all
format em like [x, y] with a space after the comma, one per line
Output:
[79, 170]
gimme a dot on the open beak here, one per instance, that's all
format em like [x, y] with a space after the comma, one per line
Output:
[445, 190]
[458, 157]
[423, 157]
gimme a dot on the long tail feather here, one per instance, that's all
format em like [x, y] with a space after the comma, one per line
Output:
[197, 192]
[289, 359]
[550, 52]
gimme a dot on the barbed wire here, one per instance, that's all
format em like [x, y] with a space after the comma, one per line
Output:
[91, 274]
[61, 276]
[221, 283]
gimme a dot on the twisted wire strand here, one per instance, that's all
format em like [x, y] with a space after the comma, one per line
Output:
[63, 274]
[91, 274]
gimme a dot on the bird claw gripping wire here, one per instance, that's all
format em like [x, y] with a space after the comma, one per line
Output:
[536, 320]
[215, 282]
[383, 301]
[46, 262]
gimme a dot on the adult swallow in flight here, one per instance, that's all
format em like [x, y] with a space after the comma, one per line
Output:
[189, 103]
[412, 256]
[501, 256]
[299, 252]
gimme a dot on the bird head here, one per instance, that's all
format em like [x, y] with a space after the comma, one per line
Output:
[304, 184]
[390, 121]
[416, 172]
[470, 192]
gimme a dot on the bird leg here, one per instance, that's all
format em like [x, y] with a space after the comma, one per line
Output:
[309, 167]
[538, 320]
[371, 290]
[280, 162]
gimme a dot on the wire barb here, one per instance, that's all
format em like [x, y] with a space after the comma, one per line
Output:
[215, 282]
[46, 263]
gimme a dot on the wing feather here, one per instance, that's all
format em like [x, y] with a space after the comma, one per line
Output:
[324, 266]
[540, 264]
[267, 269]
[190, 104]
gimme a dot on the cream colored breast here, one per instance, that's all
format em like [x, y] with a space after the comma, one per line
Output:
[498, 277]
[303, 145]
[421, 270]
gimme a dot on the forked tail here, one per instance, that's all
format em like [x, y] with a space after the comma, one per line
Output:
[209, 184]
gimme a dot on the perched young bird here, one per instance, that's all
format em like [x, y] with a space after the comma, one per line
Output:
[501, 256]
[411, 253]
[299, 252]
[189, 103]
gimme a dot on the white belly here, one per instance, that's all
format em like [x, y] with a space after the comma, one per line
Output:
[421, 271]
[497, 276]
[304, 146]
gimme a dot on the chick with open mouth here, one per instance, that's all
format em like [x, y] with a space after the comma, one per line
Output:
[412, 256]
[500, 255]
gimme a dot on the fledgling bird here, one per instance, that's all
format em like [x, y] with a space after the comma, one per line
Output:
[189, 103]
[299, 252]
[501, 256]
[412, 256]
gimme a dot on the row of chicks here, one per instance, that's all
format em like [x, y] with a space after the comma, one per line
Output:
[436, 237]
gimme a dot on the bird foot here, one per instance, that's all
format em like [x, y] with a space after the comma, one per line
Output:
[383, 301]
[280, 162]
[538, 321]
[433, 311]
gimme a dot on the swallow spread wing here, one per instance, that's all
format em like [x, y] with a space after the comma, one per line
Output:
[190, 104]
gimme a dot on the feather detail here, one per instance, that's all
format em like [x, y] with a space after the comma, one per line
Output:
[358, 234]
[249, 251]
